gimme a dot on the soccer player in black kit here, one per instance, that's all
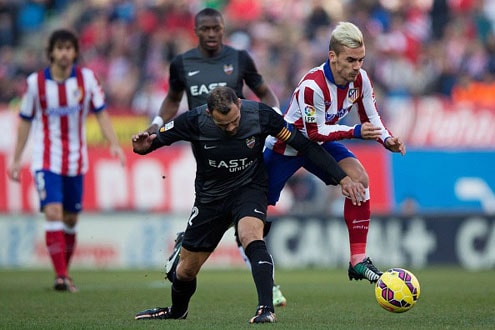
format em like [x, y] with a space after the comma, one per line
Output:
[195, 73]
[212, 63]
[227, 137]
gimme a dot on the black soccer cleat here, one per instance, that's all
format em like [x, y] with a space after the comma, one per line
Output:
[173, 260]
[364, 270]
[264, 314]
[64, 284]
[159, 313]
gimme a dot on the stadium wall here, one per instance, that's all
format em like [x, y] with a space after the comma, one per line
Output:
[140, 240]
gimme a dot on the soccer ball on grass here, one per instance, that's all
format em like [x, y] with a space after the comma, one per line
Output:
[397, 290]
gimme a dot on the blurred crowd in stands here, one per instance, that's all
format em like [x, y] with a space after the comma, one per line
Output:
[414, 47]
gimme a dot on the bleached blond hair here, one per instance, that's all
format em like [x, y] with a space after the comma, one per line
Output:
[345, 34]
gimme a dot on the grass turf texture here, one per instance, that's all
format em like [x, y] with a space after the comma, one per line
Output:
[317, 299]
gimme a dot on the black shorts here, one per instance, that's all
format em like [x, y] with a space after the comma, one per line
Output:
[208, 222]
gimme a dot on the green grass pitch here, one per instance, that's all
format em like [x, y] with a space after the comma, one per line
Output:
[451, 298]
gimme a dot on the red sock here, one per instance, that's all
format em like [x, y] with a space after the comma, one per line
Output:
[357, 219]
[70, 244]
[55, 243]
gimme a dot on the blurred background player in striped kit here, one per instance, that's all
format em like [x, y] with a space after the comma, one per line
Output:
[56, 103]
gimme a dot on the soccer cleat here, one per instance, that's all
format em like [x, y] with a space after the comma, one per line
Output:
[278, 298]
[64, 284]
[173, 260]
[158, 313]
[264, 314]
[364, 270]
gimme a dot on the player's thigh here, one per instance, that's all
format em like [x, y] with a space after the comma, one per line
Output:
[279, 168]
[50, 193]
[206, 225]
[346, 160]
[72, 193]
[249, 212]
[355, 170]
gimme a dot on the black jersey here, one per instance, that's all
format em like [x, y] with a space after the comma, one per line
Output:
[197, 75]
[225, 162]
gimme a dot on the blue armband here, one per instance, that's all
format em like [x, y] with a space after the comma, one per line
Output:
[357, 132]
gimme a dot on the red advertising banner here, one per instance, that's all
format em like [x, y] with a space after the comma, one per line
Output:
[163, 181]
[433, 122]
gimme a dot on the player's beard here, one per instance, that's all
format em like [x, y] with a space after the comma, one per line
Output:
[64, 63]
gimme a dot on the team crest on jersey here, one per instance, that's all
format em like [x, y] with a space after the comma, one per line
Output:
[353, 94]
[78, 94]
[310, 114]
[228, 68]
[168, 126]
[251, 142]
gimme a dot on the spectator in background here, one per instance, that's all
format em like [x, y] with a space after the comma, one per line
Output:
[317, 19]
[8, 28]
[157, 31]
[57, 100]
[31, 16]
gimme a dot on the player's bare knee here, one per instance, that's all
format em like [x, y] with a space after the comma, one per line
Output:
[70, 219]
[359, 174]
[53, 212]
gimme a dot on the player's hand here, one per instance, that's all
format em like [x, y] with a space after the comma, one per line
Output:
[141, 142]
[353, 190]
[14, 172]
[116, 151]
[395, 145]
[370, 132]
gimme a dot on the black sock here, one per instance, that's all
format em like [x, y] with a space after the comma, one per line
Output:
[262, 270]
[182, 292]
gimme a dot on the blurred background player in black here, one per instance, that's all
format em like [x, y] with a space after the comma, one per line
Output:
[196, 72]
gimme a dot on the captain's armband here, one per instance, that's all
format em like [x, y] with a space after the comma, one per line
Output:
[286, 132]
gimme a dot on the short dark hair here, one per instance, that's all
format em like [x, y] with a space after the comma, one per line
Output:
[209, 12]
[61, 35]
[220, 99]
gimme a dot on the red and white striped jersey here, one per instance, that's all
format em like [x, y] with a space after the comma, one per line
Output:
[318, 104]
[58, 111]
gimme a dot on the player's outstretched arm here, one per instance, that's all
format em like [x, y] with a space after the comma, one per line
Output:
[168, 110]
[13, 171]
[107, 130]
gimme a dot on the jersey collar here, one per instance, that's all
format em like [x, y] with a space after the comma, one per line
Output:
[48, 74]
